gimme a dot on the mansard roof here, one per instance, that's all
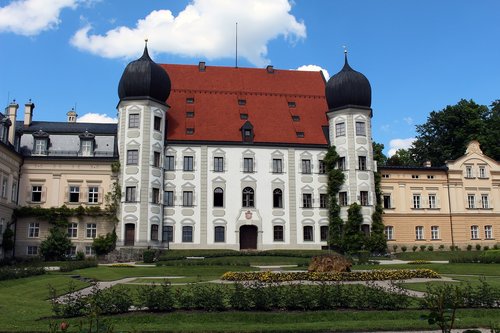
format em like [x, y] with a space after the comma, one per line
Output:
[67, 128]
[284, 106]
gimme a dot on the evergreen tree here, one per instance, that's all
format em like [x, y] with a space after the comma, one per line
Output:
[354, 239]
[335, 181]
[56, 245]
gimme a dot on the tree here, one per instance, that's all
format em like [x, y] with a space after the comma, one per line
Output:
[446, 133]
[354, 239]
[402, 157]
[378, 153]
[491, 133]
[56, 245]
[335, 181]
[105, 244]
[8, 240]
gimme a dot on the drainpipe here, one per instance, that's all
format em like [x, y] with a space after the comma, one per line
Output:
[449, 207]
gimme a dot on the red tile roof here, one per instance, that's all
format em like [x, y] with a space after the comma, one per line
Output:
[216, 92]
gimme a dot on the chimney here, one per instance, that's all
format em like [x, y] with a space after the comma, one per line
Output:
[427, 164]
[72, 116]
[12, 114]
[28, 113]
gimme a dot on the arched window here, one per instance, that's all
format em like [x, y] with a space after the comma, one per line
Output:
[218, 197]
[277, 198]
[248, 197]
[219, 234]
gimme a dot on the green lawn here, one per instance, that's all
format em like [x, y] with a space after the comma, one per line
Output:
[462, 269]
[436, 255]
[242, 261]
[493, 281]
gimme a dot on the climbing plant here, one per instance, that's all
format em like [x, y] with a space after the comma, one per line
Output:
[377, 241]
[335, 181]
[354, 239]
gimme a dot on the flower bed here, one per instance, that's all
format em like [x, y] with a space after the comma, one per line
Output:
[373, 275]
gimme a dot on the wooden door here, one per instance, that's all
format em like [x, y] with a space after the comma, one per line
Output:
[129, 234]
[248, 237]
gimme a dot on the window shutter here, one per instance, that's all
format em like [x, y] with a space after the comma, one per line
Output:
[44, 194]
[100, 195]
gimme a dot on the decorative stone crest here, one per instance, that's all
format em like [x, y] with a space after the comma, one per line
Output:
[473, 147]
[248, 215]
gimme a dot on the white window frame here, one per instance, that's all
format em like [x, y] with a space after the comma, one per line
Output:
[471, 201]
[34, 230]
[485, 201]
[488, 232]
[389, 232]
[93, 196]
[339, 129]
[417, 201]
[435, 232]
[91, 230]
[474, 232]
[73, 230]
[432, 201]
[419, 232]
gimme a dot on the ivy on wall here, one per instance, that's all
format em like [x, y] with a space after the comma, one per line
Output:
[335, 181]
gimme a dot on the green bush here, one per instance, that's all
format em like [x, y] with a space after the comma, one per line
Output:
[404, 248]
[105, 244]
[17, 272]
[148, 256]
[441, 247]
[491, 257]
[68, 266]
[422, 247]
[478, 247]
[109, 301]
[414, 248]
[430, 248]
[469, 247]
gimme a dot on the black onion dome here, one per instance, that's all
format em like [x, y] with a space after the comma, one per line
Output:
[143, 78]
[348, 87]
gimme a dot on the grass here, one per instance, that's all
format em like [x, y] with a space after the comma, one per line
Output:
[460, 269]
[493, 281]
[436, 255]
[241, 261]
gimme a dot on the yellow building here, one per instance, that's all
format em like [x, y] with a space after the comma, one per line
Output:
[454, 205]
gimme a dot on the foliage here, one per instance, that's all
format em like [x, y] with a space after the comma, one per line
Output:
[402, 157]
[374, 275]
[8, 239]
[56, 245]
[68, 266]
[335, 181]
[446, 133]
[105, 244]
[377, 241]
[442, 302]
[156, 298]
[10, 273]
[149, 256]
[354, 239]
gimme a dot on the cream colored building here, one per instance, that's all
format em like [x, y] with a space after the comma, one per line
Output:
[458, 204]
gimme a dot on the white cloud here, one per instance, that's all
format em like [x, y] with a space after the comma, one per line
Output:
[205, 28]
[408, 120]
[96, 118]
[396, 144]
[31, 17]
[315, 68]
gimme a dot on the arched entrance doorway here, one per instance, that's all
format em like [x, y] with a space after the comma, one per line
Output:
[248, 237]
[129, 234]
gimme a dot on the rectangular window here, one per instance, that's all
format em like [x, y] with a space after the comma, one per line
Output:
[168, 198]
[341, 163]
[87, 147]
[74, 194]
[387, 201]
[306, 166]
[306, 200]
[416, 201]
[278, 233]
[482, 172]
[32, 250]
[188, 163]
[323, 200]
[419, 233]
[248, 164]
[34, 230]
[36, 193]
[322, 167]
[360, 128]
[4, 187]
[363, 197]
[190, 100]
[468, 171]
[308, 233]
[40, 147]
[157, 123]
[277, 165]
[488, 232]
[156, 159]
[93, 194]
[323, 233]
[434, 232]
[187, 198]
[130, 194]
[72, 230]
[169, 163]
[168, 233]
[154, 232]
[187, 234]
[485, 202]
[91, 230]
[471, 201]
[13, 193]
[219, 234]
[132, 157]
[362, 162]
[89, 251]
[133, 121]
[219, 164]
[155, 195]
[343, 198]
[474, 232]
[340, 129]
[432, 201]
[389, 232]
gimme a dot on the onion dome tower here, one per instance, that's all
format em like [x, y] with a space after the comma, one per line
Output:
[143, 78]
[142, 115]
[348, 88]
[348, 94]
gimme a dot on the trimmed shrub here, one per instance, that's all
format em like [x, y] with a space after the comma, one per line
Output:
[422, 247]
[68, 266]
[404, 248]
[10, 273]
[430, 248]
[414, 248]
[478, 247]
[156, 298]
[148, 256]
[441, 247]
[469, 247]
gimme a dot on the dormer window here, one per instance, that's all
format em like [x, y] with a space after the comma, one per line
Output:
[190, 100]
[242, 102]
[300, 134]
[189, 131]
[190, 114]
[295, 118]
[292, 104]
[87, 144]
[247, 132]
[40, 143]
[243, 116]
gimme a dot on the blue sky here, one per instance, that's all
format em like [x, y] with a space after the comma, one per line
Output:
[419, 55]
